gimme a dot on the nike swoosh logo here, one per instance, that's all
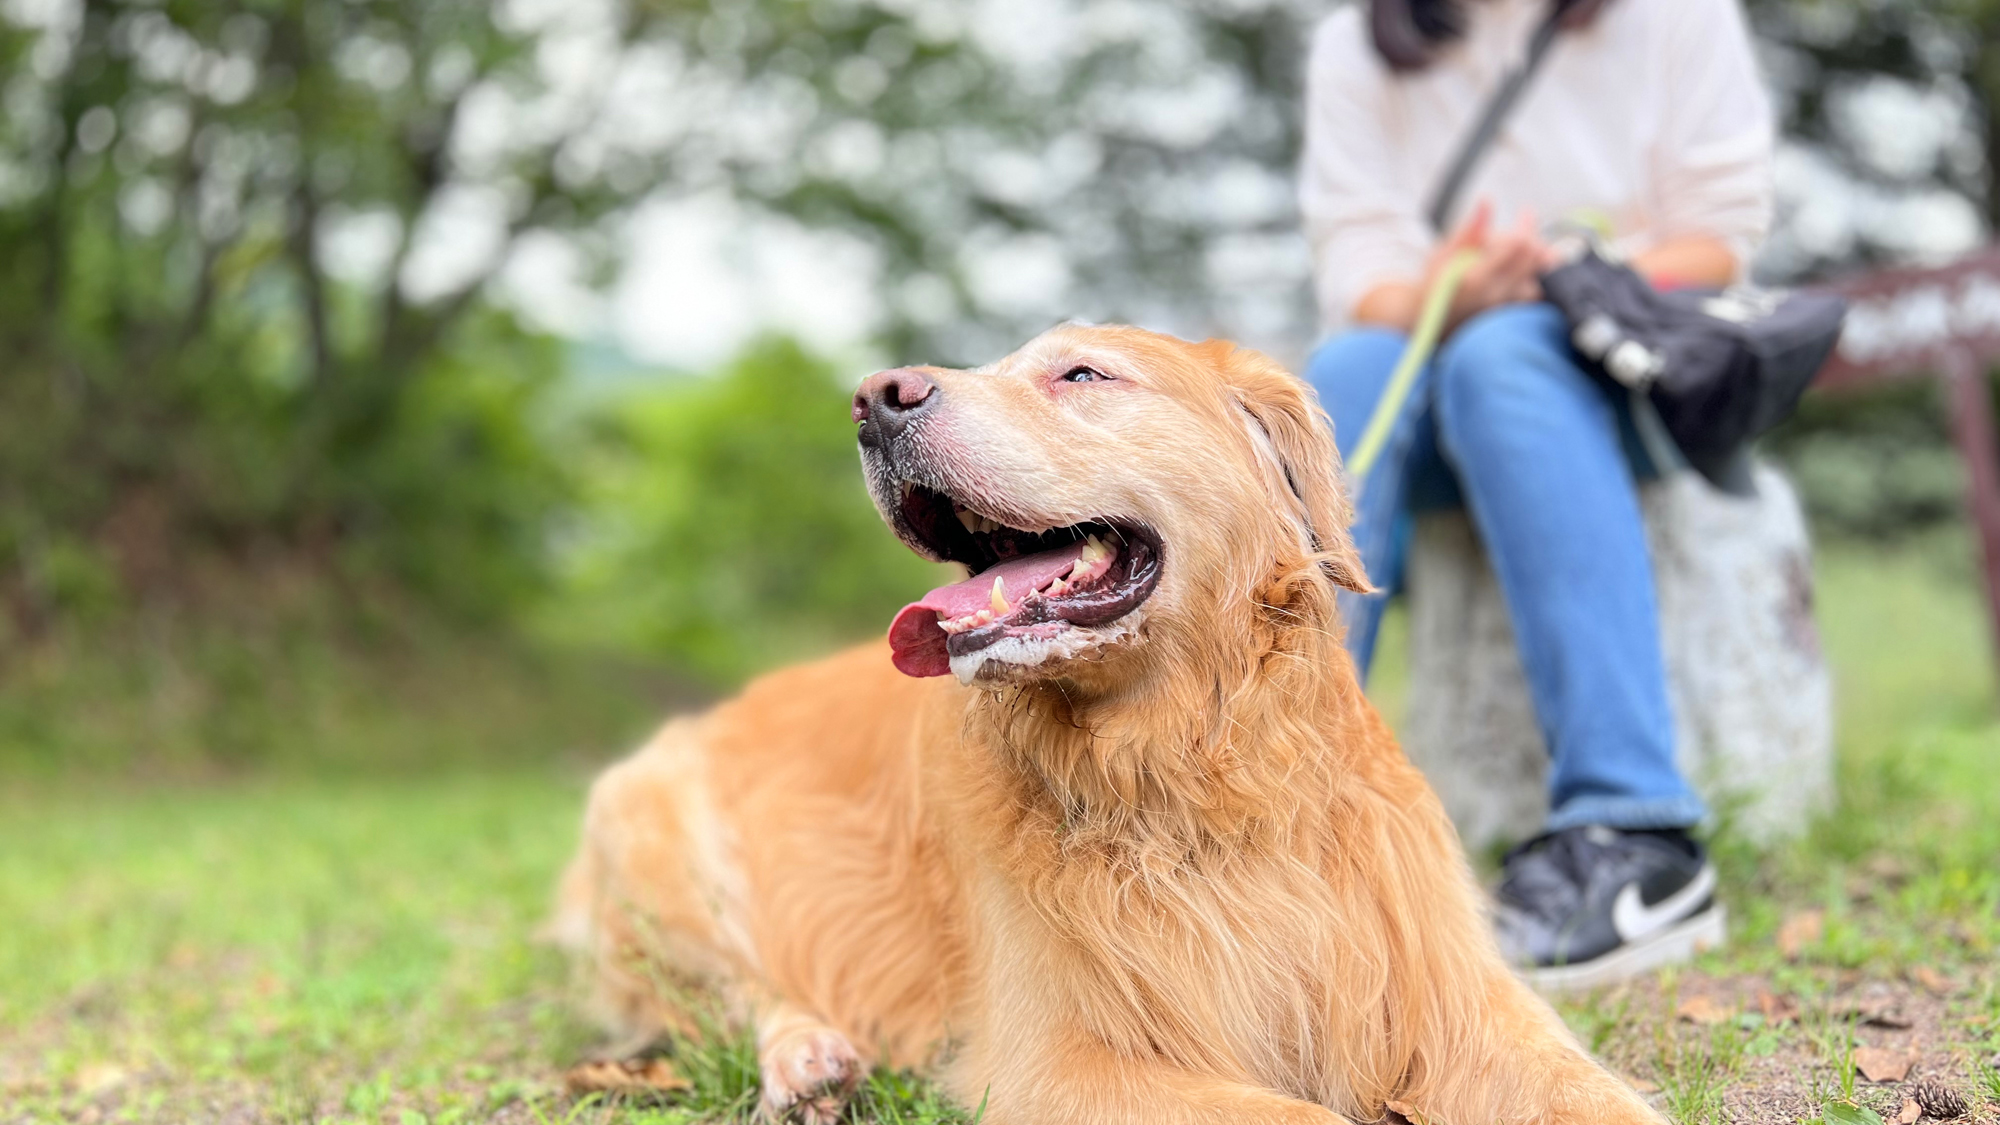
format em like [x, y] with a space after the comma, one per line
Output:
[1633, 919]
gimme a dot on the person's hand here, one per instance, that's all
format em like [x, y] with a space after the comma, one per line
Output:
[1507, 270]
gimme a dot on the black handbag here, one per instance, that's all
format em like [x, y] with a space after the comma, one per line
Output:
[1717, 367]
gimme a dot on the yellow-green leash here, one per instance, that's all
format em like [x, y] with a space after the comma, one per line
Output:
[1423, 341]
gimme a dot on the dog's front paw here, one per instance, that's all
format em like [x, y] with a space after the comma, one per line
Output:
[808, 1074]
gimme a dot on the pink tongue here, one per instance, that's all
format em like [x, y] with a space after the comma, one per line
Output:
[916, 642]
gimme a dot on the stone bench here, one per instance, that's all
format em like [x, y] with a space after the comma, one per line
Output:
[1750, 689]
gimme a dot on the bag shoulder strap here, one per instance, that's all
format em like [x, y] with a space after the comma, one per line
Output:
[1491, 118]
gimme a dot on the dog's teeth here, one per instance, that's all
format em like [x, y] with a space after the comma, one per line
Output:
[983, 617]
[988, 525]
[999, 596]
[1057, 587]
[1094, 551]
[970, 521]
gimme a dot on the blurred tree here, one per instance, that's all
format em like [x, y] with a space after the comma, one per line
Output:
[227, 324]
[247, 251]
[1015, 164]
[1892, 120]
[723, 523]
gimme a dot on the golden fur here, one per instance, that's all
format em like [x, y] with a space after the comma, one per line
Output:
[1185, 876]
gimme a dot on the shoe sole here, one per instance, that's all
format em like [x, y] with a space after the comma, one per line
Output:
[1676, 944]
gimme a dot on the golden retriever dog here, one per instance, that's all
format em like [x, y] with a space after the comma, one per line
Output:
[1107, 831]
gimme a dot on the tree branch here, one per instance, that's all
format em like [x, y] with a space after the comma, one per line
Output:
[425, 160]
[303, 245]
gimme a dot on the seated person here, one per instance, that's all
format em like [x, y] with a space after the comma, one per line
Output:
[1647, 116]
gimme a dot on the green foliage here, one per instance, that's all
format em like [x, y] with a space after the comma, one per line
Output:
[724, 523]
[189, 378]
[455, 498]
[1848, 1113]
[197, 367]
[1877, 465]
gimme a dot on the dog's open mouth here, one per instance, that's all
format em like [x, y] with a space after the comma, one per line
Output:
[1029, 590]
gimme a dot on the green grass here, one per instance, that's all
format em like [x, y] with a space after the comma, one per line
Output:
[367, 944]
[1917, 827]
[303, 947]
[1697, 1071]
[331, 950]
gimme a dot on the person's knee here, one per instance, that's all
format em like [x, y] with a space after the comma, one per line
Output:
[1517, 354]
[1505, 336]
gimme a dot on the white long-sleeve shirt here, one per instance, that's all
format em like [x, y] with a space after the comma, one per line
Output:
[1652, 119]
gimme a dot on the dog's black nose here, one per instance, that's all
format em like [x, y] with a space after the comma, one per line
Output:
[887, 401]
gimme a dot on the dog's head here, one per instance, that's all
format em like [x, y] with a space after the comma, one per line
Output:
[1110, 490]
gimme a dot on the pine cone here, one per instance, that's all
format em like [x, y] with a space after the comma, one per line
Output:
[1939, 1100]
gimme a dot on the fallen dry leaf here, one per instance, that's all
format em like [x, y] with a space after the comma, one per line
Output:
[95, 1078]
[1889, 869]
[1874, 1014]
[18, 1084]
[1934, 982]
[1777, 1008]
[625, 1076]
[1910, 1112]
[1704, 1009]
[1880, 1064]
[1800, 930]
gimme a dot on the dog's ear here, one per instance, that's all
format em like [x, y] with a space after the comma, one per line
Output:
[1292, 433]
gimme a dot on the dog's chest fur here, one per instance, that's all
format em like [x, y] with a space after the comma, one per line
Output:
[1247, 953]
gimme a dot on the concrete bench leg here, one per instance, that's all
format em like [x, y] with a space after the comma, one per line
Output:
[1751, 695]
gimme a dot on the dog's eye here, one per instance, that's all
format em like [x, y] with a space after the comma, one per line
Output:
[1085, 375]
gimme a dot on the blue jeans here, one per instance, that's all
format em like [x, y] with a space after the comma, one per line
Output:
[1504, 422]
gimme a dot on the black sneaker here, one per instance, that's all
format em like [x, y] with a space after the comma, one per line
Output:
[1587, 906]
